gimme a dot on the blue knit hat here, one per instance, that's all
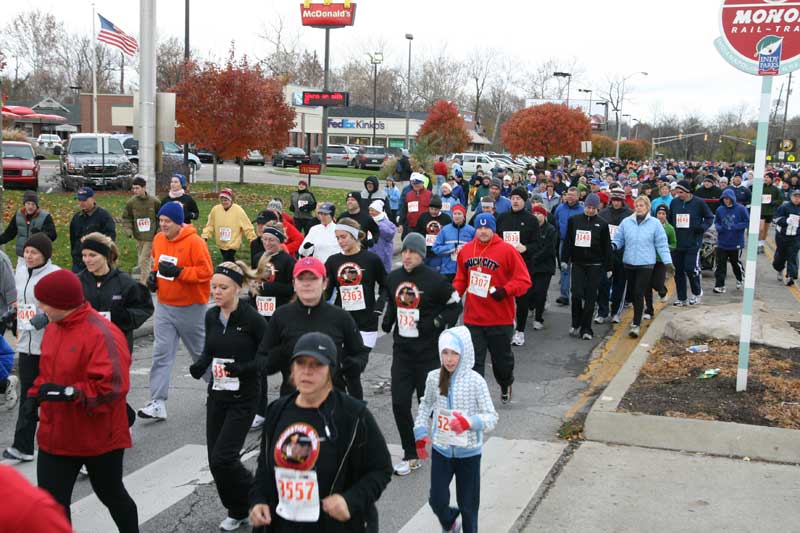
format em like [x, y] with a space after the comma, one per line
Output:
[173, 211]
[181, 178]
[485, 220]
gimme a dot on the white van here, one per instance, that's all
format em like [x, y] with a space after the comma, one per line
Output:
[471, 160]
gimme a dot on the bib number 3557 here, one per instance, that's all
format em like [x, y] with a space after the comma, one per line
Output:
[298, 495]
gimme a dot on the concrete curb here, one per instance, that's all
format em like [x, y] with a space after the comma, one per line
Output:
[605, 424]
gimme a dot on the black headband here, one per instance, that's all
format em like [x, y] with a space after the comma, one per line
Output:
[235, 276]
[275, 233]
[96, 246]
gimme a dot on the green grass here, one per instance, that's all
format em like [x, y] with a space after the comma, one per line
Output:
[252, 197]
[338, 172]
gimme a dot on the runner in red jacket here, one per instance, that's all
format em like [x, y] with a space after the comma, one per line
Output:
[26, 508]
[81, 389]
[492, 274]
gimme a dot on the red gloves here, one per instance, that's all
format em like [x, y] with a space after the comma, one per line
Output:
[459, 424]
[422, 452]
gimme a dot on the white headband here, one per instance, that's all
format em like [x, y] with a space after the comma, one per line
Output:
[349, 229]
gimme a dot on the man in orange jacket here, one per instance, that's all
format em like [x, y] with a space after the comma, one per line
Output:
[181, 277]
[492, 274]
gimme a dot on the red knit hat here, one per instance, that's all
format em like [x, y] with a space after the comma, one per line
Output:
[60, 289]
[604, 198]
[540, 209]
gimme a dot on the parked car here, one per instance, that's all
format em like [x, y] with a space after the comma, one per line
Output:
[370, 157]
[253, 157]
[471, 160]
[49, 141]
[290, 156]
[169, 150]
[205, 155]
[20, 165]
[338, 155]
[97, 160]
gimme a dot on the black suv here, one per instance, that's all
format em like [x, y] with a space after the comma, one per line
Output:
[370, 157]
[97, 160]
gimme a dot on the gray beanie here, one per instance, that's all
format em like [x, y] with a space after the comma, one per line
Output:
[275, 204]
[592, 200]
[416, 243]
[496, 182]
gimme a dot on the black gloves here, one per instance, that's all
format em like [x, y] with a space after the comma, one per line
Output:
[168, 270]
[198, 369]
[152, 282]
[499, 293]
[9, 319]
[39, 321]
[234, 369]
[50, 392]
[118, 314]
[386, 327]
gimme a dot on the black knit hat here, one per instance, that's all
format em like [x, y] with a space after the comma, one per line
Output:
[30, 196]
[41, 242]
[521, 192]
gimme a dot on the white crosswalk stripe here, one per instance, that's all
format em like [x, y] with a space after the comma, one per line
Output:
[511, 472]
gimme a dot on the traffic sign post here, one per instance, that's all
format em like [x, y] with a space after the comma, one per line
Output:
[309, 170]
[757, 39]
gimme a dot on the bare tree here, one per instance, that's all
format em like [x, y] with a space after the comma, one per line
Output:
[479, 68]
[169, 63]
[438, 77]
[284, 55]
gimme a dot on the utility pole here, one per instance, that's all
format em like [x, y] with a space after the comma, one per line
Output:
[147, 92]
[326, 76]
[410, 38]
[185, 62]
[121, 73]
[786, 106]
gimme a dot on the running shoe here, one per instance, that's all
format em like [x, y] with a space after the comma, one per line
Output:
[562, 301]
[615, 319]
[156, 409]
[647, 316]
[258, 421]
[538, 325]
[455, 528]
[679, 303]
[719, 290]
[789, 282]
[505, 394]
[16, 455]
[739, 285]
[574, 332]
[587, 336]
[405, 467]
[232, 524]
[780, 276]
[600, 319]
[12, 392]
[634, 332]
[518, 339]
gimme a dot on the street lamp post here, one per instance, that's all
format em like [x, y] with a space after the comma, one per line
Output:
[410, 38]
[604, 104]
[629, 126]
[567, 75]
[590, 103]
[619, 106]
[376, 59]
[635, 128]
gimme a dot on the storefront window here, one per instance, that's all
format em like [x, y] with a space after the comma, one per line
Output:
[337, 139]
[361, 140]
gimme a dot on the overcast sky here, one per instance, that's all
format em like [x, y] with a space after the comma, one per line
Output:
[672, 39]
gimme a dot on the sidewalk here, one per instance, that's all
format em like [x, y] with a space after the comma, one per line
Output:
[624, 488]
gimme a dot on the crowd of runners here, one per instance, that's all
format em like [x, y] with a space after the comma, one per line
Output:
[308, 303]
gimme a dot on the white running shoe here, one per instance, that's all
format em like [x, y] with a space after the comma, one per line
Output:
[679, 303]
[615, 319]
[696, 300]
[586, 336]
[518, 339]
[84, 471]
[232, 524]
[599, 319]
[156, 409]
[16, 455]
[739, 285]
[719, 290]
[538, 325]
[404, 468]
[664, 299]
[634, 332]
[258, 421]
[12, 392]
[574, 332]
[647, 316]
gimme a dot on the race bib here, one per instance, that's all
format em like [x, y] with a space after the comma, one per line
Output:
[265, 305]
[143, 225]
[479, 283]
[766, 198]
[454, 254]
[583, 238]
[302, 203]
[430, 239]
[445, 206]
[24, 314]
[413, 207]
[635, 193]
[168, 259]
[511, 237]
[221, 380]
[793, 221]
[612, 230]
[225, 234]
[407, 322]
[444, 433]
[298, 494]
[352, 297]
[105, 314]
[682, 220]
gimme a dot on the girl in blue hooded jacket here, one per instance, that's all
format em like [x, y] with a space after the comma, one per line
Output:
[458, 404]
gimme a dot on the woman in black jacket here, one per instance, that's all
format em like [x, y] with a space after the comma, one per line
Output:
[324, 462]
[233, 332]
[272, 289]
[177, 193]
[111, 292]
[543, 258]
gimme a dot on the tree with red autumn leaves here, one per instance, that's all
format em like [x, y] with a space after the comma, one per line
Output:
[444, 129]
[231, 109]
[546, 130]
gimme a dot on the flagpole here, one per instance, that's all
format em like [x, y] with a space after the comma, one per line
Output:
[94, 72]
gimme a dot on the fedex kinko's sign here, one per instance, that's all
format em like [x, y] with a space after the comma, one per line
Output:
[760, 37]
[328, 15]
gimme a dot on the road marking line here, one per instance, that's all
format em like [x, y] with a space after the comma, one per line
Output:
[511, 472]
[155, 488]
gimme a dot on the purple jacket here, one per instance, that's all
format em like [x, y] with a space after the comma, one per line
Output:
[384, 243]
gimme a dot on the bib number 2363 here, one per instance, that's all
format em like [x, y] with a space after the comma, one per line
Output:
[298, 495]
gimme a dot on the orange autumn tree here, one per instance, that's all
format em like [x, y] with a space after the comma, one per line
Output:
[444, 129]
[231, 109]
[547, 130]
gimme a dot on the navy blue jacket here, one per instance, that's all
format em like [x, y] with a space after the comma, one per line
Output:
[731, 222]
[700, 219]
[781, 219]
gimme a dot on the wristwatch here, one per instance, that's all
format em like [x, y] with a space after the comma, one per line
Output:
[69, 392]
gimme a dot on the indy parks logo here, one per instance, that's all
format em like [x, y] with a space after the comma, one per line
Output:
[768, 51]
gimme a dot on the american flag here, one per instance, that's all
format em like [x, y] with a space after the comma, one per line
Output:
[110, 34]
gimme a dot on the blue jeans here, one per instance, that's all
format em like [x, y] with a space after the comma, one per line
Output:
[468, 490]
[563, 281]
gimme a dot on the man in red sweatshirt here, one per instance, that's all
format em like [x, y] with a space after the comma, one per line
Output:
[492, 274]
